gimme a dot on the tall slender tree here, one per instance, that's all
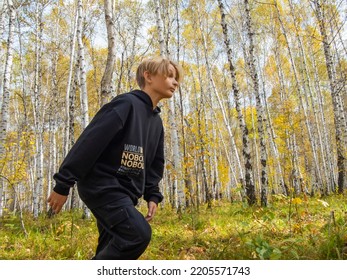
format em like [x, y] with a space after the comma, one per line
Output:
[4, 121]
[260, 111]
[106, 82]
[246, 152]
[339, 118]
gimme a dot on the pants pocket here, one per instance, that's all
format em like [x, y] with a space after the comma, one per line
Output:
[116, 217]
[127, 227]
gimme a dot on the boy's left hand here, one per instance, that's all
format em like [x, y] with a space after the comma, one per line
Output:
[56, 201]
[152, 208]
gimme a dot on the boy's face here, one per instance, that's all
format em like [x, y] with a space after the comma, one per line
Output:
[164, 87]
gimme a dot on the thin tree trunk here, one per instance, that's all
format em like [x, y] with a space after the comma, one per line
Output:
[177, 186]
[186, 172]
[38, 113]
[83, 80]
[160, 28]
[246, 153]
[72, 203]
[339, 119]
[327, 141]
[82, 67]
[303, 108]
[68, 88]
[308, 94]
[4, 121]
[3, 12]
[106, 82]
[283, 98]
[260, 110]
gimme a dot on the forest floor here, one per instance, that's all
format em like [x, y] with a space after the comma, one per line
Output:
[288, 229]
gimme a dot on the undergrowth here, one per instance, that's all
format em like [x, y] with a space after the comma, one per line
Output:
[288, 229]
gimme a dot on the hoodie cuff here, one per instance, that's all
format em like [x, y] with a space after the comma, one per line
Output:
[155, 199]
[63, 190]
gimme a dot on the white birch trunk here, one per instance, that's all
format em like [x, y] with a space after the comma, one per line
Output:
[247, 179]
[72, 202]
[327, 141]
[260, 111]
[303, 107]
[83, 80]
[176, 178]
[106, 82]
[3, 8]
[339, 119]
[309, 95]
[160, 27]
[38, 115]
[68, 87]
[4, 121]
[82, 67]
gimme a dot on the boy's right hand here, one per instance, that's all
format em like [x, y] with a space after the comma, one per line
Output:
[56, 201]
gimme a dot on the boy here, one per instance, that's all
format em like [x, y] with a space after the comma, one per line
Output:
[118, 158]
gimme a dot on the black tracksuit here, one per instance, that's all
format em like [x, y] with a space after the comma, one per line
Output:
[118, 158]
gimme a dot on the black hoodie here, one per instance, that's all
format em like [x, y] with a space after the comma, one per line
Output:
[119, 153]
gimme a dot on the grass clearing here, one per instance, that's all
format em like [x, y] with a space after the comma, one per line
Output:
[289, 229]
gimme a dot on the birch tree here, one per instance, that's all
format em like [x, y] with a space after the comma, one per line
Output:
[82, 66]
[339, 119]
[7, 80]
[68, 122]
[82, 78]
[260, 110]
[248, 179]
[301, 101]
[38, 111]
[178, 191]
[312, 101]
[106, 82]
[4, 121]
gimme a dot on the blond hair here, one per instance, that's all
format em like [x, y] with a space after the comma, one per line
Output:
[157, 65]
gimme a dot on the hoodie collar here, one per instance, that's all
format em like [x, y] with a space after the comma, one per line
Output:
[146, 99]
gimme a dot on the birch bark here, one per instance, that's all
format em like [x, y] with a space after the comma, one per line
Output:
[306, 81]
[317, 173]
[246, 153]
[106, 82]
[82, 81]
[67, 145]
[38, 112]
[260, 111]
[4, 121]
[179, 197]
[82, 66]
[339, 119]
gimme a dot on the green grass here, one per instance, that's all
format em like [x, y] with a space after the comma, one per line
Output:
[288, 229]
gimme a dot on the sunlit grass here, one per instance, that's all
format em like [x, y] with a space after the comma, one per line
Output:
[300, 228]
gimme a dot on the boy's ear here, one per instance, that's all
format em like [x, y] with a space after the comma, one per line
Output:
[147, 76]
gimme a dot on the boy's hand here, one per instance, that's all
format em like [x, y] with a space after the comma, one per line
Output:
[56, 201]
[152, 208]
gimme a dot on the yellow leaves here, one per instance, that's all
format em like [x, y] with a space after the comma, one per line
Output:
[66, 228]
[14, 166]
[297, 201]
[223, 172]
[271, 70]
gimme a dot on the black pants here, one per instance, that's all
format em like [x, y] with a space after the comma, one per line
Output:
[124, 234]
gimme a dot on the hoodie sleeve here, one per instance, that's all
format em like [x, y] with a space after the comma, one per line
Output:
[155, 174]
[91, 143]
